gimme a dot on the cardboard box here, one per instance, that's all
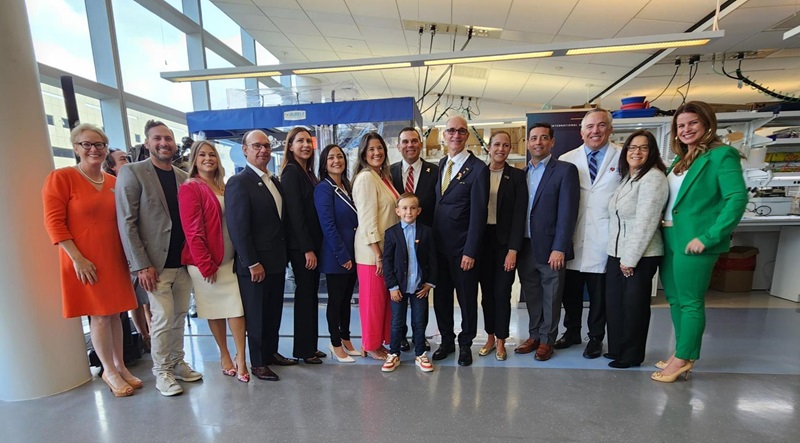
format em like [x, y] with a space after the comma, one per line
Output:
[734, 270]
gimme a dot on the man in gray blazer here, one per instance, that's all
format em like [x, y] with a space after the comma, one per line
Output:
[152, 236]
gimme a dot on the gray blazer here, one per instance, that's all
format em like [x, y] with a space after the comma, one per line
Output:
[636, 209]
[143, 215]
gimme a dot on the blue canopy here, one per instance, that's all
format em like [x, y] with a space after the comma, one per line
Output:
[234, 122]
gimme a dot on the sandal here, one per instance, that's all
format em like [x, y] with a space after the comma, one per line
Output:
[122, 391]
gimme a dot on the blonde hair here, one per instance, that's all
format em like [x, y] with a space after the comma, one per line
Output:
[78, 130]
[219, 174]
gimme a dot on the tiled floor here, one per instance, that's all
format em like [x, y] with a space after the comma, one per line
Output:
[745, 388]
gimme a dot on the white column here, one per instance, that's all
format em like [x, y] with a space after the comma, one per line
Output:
[41, 353]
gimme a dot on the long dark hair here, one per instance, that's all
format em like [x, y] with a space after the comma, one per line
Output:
[362, 154]
[653, 156]
[323, 165]
[288, 155]
[708, 141]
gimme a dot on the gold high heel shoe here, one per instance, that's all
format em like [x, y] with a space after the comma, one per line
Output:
[685, 370]
[661, 364]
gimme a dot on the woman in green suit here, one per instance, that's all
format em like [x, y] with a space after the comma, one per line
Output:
[706, 202]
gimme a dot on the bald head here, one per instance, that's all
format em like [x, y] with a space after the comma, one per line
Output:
[256, 148]
[456, 134]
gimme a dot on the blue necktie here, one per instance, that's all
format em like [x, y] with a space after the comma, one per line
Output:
[593, 165]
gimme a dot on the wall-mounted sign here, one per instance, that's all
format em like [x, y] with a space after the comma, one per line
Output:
[294, 115]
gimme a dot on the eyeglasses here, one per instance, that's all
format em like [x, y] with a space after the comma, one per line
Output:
[642, 148]
[88, 145]
[454, 131]
[260, 146]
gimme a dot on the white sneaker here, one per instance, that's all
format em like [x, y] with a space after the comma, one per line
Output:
[167, 386]
[391, 363]
[423, 363]
[183, 371]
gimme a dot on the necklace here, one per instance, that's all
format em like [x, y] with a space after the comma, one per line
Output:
[100, 182]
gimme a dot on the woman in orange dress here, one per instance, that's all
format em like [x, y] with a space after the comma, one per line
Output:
[80, 216]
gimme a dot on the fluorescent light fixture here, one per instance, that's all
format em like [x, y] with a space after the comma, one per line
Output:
[791, 33]
[644, 47]
[489, 58]
[650, 42]
[228, 76]
[332, 70]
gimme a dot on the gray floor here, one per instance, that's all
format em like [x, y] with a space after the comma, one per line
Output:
[745, 388]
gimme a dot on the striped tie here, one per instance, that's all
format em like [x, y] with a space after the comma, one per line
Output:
[593, 165]
[448, 173]
[410, 180]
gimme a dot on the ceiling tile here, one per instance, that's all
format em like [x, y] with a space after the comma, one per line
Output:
[238, 8]
[380, 49]
[382, 35]
[340, 31]
[374, 8]
[276, 14]
[271, 38]
[530, 16]
[541, 88]
[435, 11]
[690, 11]
[390, 24]
[315, 55]
[331, 19]
[256, 22]
[294, 26]
[585, 20]
[329, 6]
[527, 37]
[638, 27]
[309, 41]
[488, 14]
[505, 85]
[349, 45]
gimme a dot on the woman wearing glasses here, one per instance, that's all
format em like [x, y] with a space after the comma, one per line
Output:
[635, 247]
[80, 216]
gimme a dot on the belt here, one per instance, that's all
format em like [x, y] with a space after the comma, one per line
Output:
[666, 223]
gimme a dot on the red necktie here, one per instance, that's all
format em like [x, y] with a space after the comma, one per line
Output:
[410, 180]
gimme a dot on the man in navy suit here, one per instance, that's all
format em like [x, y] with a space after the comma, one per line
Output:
[254, 210]
[415, 175]
[458, 226]
[553, 197]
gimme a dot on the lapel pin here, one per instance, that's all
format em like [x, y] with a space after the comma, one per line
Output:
[427, 169]
[612, 169]
[260, 183]
[416, 241]
[506, 177]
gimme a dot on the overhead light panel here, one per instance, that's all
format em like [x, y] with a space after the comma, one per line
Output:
[791, 33]
[353, 68]
[638, 47]
[489, 58]
[198, 78]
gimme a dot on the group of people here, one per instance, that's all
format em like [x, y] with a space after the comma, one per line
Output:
[600, 219]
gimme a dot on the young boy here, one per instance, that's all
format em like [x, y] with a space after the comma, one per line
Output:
[409, 269]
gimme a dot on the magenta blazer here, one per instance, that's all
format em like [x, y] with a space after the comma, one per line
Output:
[201, 217]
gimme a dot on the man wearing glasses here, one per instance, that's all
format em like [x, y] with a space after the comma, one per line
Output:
[458, 225]
[596, 160]
[152, 236]
[254, 211]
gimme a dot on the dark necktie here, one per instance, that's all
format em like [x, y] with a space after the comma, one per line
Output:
[593, 165]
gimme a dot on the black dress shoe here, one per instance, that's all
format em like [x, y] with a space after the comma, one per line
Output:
[427, 345]
[609, 356]
[320, 354]
[312, 360]
[278, 359]
[594, 348]
[443, 352]
[264, 373]
[464, 356]
[566, 341]
[621, 365]
[404, 345]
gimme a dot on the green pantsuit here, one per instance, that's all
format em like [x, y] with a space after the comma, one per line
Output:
[709, 205]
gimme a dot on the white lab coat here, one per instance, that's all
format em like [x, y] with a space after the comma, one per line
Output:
[590, 240]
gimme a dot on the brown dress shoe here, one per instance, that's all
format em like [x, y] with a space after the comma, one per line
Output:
[527, 346]
[264, 373]
[544, 352]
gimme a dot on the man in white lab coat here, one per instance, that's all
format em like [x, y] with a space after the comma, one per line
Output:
[597, 161]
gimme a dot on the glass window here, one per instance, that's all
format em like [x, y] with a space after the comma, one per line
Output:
[88, 112]
[151, 46]
[221, 26]
[49, 120]
[137, 119]
[60, 33]
[264, 57]
[218, 89]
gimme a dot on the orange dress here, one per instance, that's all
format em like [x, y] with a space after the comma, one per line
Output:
[75, 210]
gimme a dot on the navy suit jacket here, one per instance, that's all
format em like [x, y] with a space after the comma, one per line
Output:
[555, 211]
[395, 257]
[339, 220]
[460, 218]
[512, 203]
[426, 188]
[256, 230]
[303, 227]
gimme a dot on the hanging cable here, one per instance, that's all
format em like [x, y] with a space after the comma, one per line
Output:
[428, 68]
[677, 67]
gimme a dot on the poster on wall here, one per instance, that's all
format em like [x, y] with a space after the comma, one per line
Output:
[566, 127]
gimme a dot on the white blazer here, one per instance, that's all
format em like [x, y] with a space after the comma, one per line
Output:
[375, 204]
[591, 233]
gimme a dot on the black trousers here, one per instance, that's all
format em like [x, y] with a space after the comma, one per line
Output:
[306, 303]
[628, 308]
[340, 292]
[495, 285]
[465, 283]
[572, 300]
[263, 308]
